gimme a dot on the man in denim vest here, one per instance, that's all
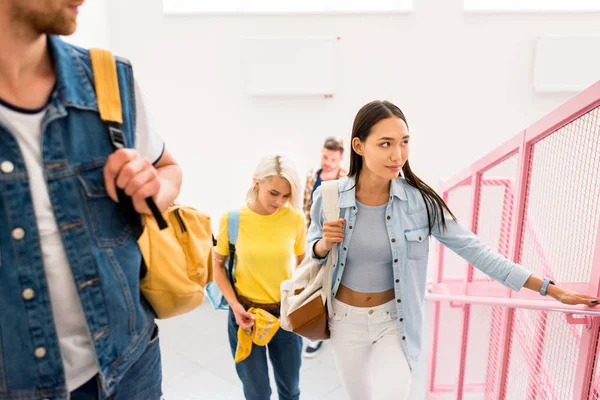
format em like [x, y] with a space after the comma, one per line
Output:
[73, 322]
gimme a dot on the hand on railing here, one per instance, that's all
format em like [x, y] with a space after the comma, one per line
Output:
[562, 295]
[573, 298]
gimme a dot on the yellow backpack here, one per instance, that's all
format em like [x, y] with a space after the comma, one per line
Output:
[176, 245]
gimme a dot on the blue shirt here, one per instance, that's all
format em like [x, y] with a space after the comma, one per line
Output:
[317, 182]
[408, 234]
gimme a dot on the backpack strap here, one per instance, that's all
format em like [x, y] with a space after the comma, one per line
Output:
[109, 104]
[331, 210]
[233, 225]
[107, 85]
[330, 193]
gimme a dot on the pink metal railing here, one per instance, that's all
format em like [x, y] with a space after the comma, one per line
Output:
[536, 200]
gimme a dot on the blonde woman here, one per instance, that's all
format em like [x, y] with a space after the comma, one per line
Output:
[271, 232]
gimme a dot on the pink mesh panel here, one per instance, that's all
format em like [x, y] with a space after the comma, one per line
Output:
[543, 356]
[483, 350]
[497, 201]
[594, 393]
[562, 203]
[459, 202]
[530, 351]
[449, 340]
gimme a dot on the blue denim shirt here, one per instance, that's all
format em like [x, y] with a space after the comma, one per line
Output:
[102, 252]
[408, 232]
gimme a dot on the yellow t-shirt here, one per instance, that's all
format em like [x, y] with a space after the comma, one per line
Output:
[264, 251]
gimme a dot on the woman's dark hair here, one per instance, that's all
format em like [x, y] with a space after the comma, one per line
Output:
[334, 143]
[366, 118]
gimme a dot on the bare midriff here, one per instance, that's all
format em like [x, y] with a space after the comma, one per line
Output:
[359, 299]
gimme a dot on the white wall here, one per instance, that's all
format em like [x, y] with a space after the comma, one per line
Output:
[93, 25]
[463, 80]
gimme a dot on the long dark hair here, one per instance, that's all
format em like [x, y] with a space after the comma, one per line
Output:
[366, 118]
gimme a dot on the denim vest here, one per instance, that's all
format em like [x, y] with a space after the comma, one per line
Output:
[102, 252]
[408, 234]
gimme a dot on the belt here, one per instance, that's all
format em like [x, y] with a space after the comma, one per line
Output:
[249, 303]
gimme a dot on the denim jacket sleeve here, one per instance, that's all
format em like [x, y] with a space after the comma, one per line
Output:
[467, 245]
[315, 231]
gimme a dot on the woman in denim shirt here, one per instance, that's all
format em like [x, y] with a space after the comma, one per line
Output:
[386, 217]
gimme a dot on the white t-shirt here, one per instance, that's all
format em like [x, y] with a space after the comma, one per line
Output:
[77, 350]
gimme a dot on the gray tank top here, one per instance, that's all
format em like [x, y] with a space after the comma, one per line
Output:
[369, 266]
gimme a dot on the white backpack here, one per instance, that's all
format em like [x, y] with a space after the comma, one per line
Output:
[306, 297]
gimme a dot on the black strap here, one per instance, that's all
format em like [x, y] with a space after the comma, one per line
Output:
[117, 139]
[230, 266]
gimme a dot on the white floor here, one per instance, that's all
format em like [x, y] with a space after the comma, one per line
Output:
[197, 363]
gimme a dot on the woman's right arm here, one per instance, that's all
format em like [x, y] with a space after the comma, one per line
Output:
[242, 317]
[220, 276]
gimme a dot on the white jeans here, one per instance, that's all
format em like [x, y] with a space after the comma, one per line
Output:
[368, 354]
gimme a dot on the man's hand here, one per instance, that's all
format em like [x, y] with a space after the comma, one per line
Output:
[137, 176]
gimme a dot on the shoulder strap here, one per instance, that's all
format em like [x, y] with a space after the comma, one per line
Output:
[106, 83]
[331, 207]
[331, 210]
[233, 224]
